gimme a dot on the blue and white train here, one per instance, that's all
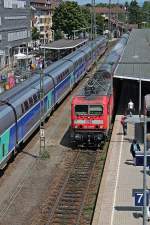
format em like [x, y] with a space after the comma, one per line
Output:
[20, 106]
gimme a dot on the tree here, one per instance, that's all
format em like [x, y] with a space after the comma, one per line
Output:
[68, 17]
[100, 20]
[86, 12]
[135, 13]
[35, 34]
[146, 13]
[126, 5]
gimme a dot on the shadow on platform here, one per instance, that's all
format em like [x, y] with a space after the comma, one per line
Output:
[30, 154]
[128, 208]
[129, 162]
[66, 140]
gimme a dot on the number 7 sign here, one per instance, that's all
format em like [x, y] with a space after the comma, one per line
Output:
[139, 198]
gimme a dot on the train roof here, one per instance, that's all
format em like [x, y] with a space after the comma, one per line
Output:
[75, 55]
[58, 70]
[54, 65]
[8, 95]
[86, 48]
[99, 85]
[33, 81]
[78, 100]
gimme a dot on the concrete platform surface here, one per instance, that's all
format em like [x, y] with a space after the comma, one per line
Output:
[115, 203]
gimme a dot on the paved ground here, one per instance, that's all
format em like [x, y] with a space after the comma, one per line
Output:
[115, 204]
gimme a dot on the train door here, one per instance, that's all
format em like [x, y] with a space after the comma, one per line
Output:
[4, 145]
[72, 78]
[109, 112]
[49, 101]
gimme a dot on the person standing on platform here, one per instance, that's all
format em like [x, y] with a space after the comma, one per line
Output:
[130, 107]
[135, 147]
[124, 124]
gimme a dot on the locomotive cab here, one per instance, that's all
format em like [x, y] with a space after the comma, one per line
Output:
[88, 120]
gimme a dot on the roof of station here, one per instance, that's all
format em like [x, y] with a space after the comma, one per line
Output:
[135, 61]
[65, 44]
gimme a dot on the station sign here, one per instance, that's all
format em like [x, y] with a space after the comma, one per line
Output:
[139, 198]
[42, 132]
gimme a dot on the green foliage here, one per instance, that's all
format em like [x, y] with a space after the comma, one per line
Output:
[68, 17]
[86, 12]
[58, 35]
[134, 13]
[35, 34]
[126, 5]
[146, 13]
[100, 23]
[44, 155]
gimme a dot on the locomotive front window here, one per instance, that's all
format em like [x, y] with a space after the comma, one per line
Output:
[81, 109]
[95, 109]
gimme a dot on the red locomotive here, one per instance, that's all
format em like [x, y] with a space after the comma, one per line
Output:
[92, 109]
[91, 114]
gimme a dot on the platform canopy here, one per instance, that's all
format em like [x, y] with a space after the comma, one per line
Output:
[63, 44]
[20, 56]
[135, 61]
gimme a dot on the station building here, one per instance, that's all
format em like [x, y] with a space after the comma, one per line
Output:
[14, 28]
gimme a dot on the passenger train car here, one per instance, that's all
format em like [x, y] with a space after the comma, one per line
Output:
[92, 108]
[20, 107]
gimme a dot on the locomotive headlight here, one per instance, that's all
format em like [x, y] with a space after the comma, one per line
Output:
[97, 122]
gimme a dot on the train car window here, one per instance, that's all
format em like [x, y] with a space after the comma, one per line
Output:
[38, 95]
[26, 105]
[35, 98]
[3, 150]
[22, 108]
[148, 113]
[31, 101]
[95, 109]
[81, 109]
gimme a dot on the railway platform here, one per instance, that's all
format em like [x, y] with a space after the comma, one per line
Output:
[121, 178]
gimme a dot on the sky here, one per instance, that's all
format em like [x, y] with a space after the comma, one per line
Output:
[106, 1]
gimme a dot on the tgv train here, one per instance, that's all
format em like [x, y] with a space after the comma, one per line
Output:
[20, 107]
[92, 109]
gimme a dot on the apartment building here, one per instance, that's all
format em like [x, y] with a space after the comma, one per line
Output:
[42, 18]
[14, 27]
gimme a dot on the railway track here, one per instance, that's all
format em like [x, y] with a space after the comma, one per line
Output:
[67, 202]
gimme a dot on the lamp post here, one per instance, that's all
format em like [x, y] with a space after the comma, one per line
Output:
[44, 48]
[8, 52]
[42, 130]
[52, 35]
[140, 84]
[93, 21]
[109, 19]
[144, 169]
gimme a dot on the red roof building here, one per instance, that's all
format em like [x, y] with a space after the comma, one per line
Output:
[113, 10]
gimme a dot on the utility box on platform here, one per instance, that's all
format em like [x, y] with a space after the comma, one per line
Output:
[139, 158]
[139, 132]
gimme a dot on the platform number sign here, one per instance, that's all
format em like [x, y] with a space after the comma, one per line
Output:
[139, 198]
